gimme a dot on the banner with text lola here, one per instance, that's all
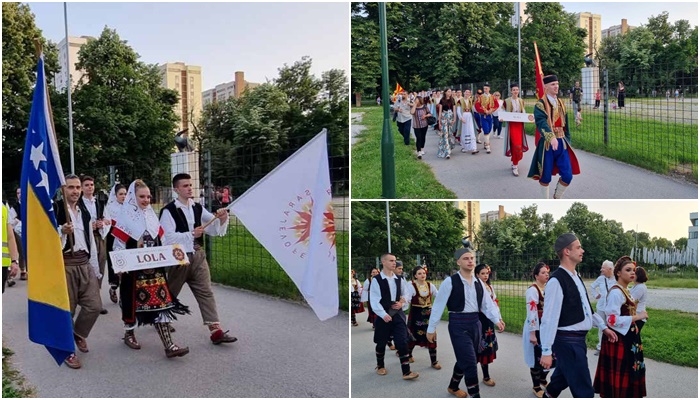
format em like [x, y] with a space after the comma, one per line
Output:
[148, 257]
[290, 213]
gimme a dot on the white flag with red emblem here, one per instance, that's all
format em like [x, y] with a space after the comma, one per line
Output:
[290, 213]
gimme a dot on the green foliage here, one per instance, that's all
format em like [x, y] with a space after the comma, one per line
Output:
[122, 115]
[18, 78]
[249, 136]
[414, 179]
[446, 43]
[656, 56]
[12, 381]
[433, 229]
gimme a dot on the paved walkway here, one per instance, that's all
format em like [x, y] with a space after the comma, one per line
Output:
[283, 350]
[488, 176]
[509, 371]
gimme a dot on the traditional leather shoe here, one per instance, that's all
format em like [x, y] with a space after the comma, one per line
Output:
[23, 276]
[381, 371]
[175, 351]
[219, 336]
[410, 359]
[73, 362]
[539, 393]
[81, 344]
[457, 393]
[410, 376]
[436, 365]
[489, 382]
[113, 295]
[130, 340]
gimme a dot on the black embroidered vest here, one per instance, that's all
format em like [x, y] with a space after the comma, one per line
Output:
[181, 225]
[455, 302]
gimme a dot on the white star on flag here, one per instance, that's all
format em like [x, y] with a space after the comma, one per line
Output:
[38, 155]
[44, 181]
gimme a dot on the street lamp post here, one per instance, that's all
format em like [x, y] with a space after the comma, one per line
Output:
[387, 145]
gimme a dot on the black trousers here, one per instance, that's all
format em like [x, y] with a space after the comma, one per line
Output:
[572, 365]
[5, 274]
[465, 334]
[397, 330]
[420, 137]
[405, 131]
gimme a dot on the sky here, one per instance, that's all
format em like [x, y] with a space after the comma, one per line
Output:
[637, 13]
[669, 219]
[256, 38]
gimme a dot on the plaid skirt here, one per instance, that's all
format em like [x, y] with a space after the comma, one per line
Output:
[621, 371]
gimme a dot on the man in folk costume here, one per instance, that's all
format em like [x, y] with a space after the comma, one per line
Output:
[553, 154]
[477, 116]
[463, 294]
[96, 209]
[516, 140]
[182, 221]
[145, 296]
[81, 264]
[566, 319]
[486, 105]
[388, 295]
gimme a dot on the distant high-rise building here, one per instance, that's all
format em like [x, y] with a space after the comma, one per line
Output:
[495, 215]
[72, 49]
[591, 23]
[226, 90]
[523, 17]
[693, 232]
[187, 81]
[616, 30]
[471, 220]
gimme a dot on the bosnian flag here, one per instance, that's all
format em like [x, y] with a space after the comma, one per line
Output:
[50, 321]
[290, 213]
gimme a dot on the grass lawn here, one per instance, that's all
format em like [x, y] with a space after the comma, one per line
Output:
[668, 336]
[663, 147]
[414, 179]
[12, 381]
[664, 282]
[239, 260]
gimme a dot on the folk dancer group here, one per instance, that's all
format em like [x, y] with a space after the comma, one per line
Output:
[146, 297]
[559, 315]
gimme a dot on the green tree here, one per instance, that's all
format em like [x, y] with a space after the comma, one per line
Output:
[364, 53]
[681, 243]
[433, 229]
[559, 39]
[19, 64]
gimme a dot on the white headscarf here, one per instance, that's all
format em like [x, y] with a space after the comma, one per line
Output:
[135, 221]
[112, 208]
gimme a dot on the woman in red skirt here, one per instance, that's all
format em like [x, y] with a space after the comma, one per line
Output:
[621, 371]
[364, 296]
[488, 344]
[421, 294]
[355, 293]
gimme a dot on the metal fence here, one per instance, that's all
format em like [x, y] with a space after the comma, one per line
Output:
[511, 275]
[653, 123]
[238, 259]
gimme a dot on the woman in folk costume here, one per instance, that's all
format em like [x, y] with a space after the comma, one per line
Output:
[116, 198]
[468, 135]
[457, 129]
[532, 346]
[145, 297]
[355, 293]
[621, 371]
[488, 344]
[364, 296]
[516, 140]
[421, 294]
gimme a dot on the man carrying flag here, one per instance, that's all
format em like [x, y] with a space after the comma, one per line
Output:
[553, 154]
[49, 308]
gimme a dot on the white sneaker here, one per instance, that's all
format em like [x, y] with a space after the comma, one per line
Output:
[464, 150]
[422, 153]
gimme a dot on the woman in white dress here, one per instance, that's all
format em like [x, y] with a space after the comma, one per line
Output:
[468, 136]
[639, 293]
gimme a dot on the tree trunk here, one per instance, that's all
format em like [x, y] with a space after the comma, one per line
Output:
[358, 99]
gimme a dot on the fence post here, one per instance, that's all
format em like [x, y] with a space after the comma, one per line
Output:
[605, 107]
[112, 175]
[207, 197]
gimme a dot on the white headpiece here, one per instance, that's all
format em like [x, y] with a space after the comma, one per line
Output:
[135, 221]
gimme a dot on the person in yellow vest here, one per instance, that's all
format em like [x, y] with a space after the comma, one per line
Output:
[10, 265]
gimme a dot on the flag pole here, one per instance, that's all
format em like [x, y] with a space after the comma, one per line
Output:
[388, 227]
[38, 49]
[70, 88]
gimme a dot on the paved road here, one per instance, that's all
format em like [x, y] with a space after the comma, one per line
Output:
[509, 371]
[673, 299]
[488, 176]
[283, 350]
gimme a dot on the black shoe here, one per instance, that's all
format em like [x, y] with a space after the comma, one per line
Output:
[103, 311]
